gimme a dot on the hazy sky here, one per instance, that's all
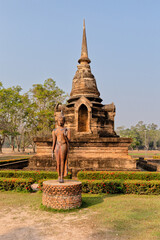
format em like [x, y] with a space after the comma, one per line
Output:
[41, 39]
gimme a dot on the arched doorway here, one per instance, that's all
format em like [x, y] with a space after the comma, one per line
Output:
[83, 119]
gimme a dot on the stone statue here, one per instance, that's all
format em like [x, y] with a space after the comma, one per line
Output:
[61, 137]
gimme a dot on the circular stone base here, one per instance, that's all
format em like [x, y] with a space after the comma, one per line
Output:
[65, 195]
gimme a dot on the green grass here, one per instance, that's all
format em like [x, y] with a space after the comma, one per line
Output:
[130, 215]
[142, 154]
[122, 216]
[14, 157]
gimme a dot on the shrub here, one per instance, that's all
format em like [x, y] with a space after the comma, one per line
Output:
[156, 157]
[119, 186]
[18, 184]
[35, 175]
[97, 175]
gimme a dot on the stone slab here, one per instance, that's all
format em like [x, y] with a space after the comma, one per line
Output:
[66, 183]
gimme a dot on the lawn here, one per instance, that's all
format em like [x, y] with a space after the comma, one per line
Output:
[14, 157]
[100, 217]
[145, 154]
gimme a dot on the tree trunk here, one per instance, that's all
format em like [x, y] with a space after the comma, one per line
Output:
[23, 145]
[18, 147]
[155, 144]
[18, 141]
[1, 143]
[34, 149]
[12, 143]
[0, 147]
[23, 149]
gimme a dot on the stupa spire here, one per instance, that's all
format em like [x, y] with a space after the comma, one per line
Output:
[84, 83]
[84, 51]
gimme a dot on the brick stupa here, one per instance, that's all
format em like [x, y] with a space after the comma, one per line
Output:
[94, 143]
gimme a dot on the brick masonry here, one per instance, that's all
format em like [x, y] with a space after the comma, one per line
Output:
[65, 195]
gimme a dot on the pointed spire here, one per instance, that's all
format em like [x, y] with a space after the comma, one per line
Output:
[84, 51]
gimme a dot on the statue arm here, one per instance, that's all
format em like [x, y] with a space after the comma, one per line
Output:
[67, 135]
[54, 140]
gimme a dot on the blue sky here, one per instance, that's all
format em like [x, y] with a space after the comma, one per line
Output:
[40, 39]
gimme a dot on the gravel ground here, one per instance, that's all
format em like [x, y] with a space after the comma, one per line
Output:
[24, 224]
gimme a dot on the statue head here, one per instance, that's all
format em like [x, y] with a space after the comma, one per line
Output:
[61, 119]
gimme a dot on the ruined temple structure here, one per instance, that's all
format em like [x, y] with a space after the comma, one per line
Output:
[94, 143]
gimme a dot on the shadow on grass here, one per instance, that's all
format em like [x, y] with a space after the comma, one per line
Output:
[91, 200]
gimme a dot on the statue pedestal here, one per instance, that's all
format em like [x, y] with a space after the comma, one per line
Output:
[65, 195]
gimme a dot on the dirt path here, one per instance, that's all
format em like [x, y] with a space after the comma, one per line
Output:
[24, 224]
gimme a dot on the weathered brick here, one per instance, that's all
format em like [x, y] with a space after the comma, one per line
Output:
[65, 195]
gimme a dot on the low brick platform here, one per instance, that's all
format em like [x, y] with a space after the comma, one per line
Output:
[65, 195]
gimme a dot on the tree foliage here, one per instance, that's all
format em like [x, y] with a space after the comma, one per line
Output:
[144, 136]
[11, 111]
[44, 98]
[24, 116]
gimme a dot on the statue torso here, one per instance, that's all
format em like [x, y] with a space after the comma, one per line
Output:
[60, 134]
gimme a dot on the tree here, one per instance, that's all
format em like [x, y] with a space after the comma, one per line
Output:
[151, 140]
[23, 117]
[12, 112]
[44, 98]
[2, 139]
[130, 133]
[153, 135]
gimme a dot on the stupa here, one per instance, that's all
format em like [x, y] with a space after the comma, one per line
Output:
[94, 143]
